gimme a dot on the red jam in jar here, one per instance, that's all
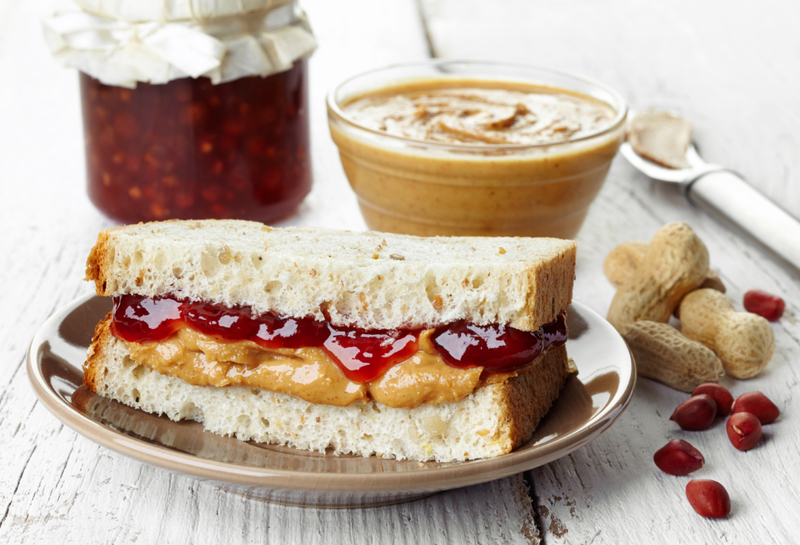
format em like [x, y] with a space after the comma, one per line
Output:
[188, 149]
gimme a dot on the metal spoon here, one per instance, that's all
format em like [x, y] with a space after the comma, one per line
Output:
[725, 194]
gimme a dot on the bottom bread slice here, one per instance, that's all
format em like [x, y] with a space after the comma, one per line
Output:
[491, 421]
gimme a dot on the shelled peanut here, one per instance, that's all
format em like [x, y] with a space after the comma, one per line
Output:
[708, 498]
[764, 304]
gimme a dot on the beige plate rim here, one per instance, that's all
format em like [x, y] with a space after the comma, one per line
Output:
[597, 338]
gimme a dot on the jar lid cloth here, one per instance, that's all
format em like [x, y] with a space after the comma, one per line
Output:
[122, 53]
[143, 11]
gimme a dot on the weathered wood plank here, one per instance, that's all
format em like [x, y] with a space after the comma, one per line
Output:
[125, 501]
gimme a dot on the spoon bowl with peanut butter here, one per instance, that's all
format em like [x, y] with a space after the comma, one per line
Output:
[659, 145]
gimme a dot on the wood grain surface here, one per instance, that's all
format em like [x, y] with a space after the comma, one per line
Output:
[731, 67]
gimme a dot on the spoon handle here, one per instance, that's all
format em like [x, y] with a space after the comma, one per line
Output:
[725, 193]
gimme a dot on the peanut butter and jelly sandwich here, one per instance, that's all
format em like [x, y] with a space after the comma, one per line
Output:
[442, 348]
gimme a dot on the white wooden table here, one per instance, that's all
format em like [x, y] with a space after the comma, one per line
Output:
[731, 67]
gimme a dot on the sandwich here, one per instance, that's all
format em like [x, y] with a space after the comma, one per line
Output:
[441, 348]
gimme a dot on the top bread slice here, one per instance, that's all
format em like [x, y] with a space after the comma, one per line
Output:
[367, 280]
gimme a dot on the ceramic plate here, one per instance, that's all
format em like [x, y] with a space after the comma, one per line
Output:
[588, 405]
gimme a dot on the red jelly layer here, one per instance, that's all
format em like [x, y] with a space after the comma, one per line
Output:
[361, 355]
[366, 355]
[496, 348]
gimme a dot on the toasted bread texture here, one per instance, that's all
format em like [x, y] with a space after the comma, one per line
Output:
[367, 280]
[491, 421]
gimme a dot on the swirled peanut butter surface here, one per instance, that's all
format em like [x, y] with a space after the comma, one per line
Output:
[479, 115]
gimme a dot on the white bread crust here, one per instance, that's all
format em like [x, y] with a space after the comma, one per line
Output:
[369, 280]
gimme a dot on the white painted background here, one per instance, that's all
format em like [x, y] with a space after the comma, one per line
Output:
[733, 68]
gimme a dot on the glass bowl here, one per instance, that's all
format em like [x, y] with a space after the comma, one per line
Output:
[424, 187]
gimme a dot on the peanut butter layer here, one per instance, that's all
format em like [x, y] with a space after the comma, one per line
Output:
[308, 373]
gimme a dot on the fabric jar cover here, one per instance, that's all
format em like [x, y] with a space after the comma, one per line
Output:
[122, 42]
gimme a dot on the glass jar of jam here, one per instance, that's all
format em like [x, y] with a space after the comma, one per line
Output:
[189, 149]
[229, 140]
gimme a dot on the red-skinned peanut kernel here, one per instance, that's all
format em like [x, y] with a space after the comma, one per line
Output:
[764, 304]
[708, 498]
[758, 404]
[696, 413]
[678, 458]
[721, 396]
[744, 430]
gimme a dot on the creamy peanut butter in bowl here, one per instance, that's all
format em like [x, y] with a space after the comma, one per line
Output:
[475, 148]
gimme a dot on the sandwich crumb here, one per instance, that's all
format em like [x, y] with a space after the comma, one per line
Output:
[225, 255]
[397, 257]
[502, 250]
